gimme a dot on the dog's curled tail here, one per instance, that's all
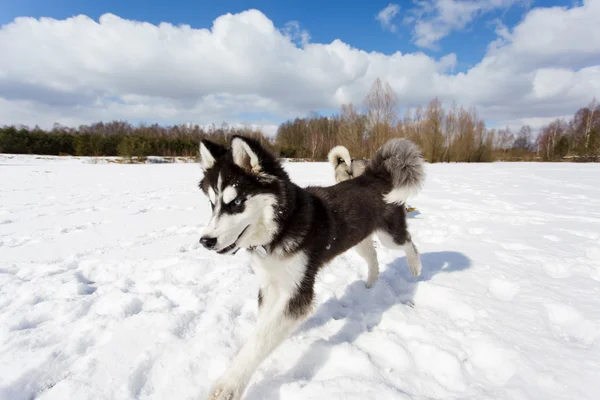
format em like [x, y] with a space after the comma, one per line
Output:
[339, 152]
[400, 161]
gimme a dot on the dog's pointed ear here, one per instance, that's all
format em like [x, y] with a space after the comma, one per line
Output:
[250, 155]
[210, 152]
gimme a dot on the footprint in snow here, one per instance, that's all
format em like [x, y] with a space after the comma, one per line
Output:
[593, 253]
[503, 290]
[552, 238]
[568, 324]
[139, 377]
[444, 366]
[557, 269]
[476, 231]
[492, 360]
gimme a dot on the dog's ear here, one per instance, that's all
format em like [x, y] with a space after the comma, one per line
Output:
[251, 156]
[210, 152]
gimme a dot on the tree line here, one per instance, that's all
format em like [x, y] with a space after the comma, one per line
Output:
[118, 138]
[452, 134]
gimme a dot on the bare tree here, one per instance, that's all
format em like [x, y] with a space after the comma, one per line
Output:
[450, 131]
[433, 139]
[352, 127]
[504, 140]
[552, 139]
[524, 141]
[381, 103]
[590, 121]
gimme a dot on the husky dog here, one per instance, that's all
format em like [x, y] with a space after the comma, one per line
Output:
[292, 232]
[344, 166]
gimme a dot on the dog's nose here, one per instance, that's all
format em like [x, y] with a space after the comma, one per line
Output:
[208, 242]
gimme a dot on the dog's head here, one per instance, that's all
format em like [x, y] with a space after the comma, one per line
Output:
[243, 184]
[339, 158]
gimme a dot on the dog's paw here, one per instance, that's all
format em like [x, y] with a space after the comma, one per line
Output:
[226, 390]
[224, 394]
[371, 281]
[415, 268]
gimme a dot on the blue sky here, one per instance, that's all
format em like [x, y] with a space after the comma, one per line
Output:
[352, 21]
[517, 61]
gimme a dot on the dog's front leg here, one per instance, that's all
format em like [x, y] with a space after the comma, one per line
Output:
[268, 296]
[272, 329]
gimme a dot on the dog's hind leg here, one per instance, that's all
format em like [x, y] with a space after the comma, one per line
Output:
[366, 249]
[405, 243]
[394, 234]
[412, 257]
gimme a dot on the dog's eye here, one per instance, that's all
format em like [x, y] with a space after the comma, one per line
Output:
[237, 202]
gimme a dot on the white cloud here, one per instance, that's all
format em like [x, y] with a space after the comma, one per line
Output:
[433, 20]
[245, 70]
[387, 15]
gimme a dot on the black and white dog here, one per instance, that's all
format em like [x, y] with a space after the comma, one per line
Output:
[292, 232]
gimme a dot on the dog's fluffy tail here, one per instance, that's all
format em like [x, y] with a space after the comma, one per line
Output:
[400, 161]
[339, 152]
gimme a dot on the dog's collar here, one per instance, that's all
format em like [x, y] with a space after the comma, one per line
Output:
[260, 250]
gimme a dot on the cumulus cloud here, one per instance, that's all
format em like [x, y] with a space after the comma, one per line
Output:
[433, 20]
[387, 16]
[245, 70]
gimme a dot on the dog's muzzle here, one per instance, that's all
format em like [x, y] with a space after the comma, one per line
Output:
[208, 242]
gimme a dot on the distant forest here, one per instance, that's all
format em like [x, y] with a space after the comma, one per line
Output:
[454, 134]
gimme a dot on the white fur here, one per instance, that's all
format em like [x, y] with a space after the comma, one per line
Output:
[272, 329]
[212, 195]
[366, 249]
[229, 194]
[337, 152]
[412, 256]
[263, 230]
[243, 155]
[206, 158]
[284, 273]
[279, 276]
[413, 259]
[400, 195]
[220, 183]
[212, 224]
[387, 240]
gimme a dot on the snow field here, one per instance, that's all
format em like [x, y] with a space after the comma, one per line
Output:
[105, 292]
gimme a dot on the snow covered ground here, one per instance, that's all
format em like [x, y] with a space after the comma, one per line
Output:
[106, 294]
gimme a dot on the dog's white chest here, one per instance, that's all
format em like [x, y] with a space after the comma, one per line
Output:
[284, 272]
